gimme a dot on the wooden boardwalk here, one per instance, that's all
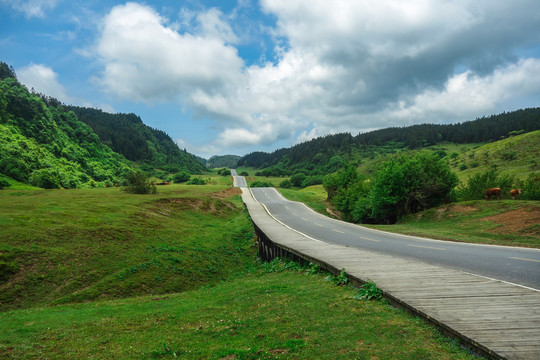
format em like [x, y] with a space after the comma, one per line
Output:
[493, 318]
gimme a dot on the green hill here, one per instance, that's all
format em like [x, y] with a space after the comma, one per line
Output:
[223, 161]
[45, 145]
[126, 134]
[322, 155]
[517, 156]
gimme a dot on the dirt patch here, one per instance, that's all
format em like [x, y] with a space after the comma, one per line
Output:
[211, 205]
[227, 193]
[524, 220]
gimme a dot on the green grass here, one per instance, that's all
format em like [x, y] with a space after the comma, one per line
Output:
[468, 221]
[283, 314]
[313, 196]
[89, 244]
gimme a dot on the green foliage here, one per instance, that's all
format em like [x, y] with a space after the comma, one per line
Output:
[139, 183]
[181, 177]
[126, 134]
[369, 291]
[196, 181]
[285, 184]
[411, 184]
[46, 178]
[244, 173]
[3, 184]
[298, 179]
[476, 186]
[44, 144]
[224, 172]
[531, 188]
[340, 279]
[223, 161]
[261, 184]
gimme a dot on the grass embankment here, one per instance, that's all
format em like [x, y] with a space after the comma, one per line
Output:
[284, 314]
[189, 248]
[78, 245]
[497, 222]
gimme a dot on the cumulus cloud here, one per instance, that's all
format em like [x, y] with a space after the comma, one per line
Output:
[44, 80]
[146, 60]
[31, 8]
[345, 65]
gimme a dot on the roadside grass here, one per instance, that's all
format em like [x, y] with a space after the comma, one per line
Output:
[270, 313]
[59, 246]
[506, 222]
[313, 196]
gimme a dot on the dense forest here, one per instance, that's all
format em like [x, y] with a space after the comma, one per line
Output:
[45, 145]
[126, 134]
[316, 156]
[222, 161]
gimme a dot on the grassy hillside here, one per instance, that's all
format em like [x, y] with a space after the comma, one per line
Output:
[77, 245]
[517, 155]
[74, 264]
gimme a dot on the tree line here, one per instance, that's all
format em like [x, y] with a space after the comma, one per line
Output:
[316, 155]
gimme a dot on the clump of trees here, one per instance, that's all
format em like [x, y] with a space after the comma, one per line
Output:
[139, 183]
[404, 185]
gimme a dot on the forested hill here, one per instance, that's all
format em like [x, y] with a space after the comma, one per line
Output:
[45, 145]
[319, 152]
[222, 161]
[128, 135]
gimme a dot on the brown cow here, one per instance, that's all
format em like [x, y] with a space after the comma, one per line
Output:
[493, 191]
[515, 193]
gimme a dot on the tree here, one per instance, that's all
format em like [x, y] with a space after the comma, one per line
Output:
[298, 179]
[181, 176]
[139, 183]
[411, 184]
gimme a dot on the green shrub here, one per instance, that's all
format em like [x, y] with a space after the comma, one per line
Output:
[46, 178]
[3, 184]
[285, 184]
[244, 173]
[196, 181]
[261, 184]
[181, 176]
[7, 268]
[139, 183]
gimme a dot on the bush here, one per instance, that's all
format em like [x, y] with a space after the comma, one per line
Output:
[3, 184]
[298, 179]
[312, 180]
[181, 177]
[261, 184]
[139, 183]
[45, 178]
[476, 186]
[285, 184]
[244, 173]
[531, 188]
[196, 181]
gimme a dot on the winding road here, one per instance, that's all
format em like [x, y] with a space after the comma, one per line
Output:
[520, 266]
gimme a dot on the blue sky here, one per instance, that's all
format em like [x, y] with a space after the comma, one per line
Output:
[231, 77]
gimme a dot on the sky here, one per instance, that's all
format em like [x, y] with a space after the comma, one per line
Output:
[232, 77]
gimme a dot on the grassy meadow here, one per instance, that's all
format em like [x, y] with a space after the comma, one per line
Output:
[101, 274]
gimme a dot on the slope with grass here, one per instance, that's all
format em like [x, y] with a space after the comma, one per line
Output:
[61, 246]
[74, 264]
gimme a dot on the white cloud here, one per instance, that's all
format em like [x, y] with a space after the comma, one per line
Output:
[345, 65]
[145, 60]
[44, 80]
[31, 8]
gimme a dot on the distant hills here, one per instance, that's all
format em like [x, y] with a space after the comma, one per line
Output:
[223, 161]
[320, 155]
[49, 145]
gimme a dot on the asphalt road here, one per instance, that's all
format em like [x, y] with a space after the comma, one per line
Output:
[516, 265]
